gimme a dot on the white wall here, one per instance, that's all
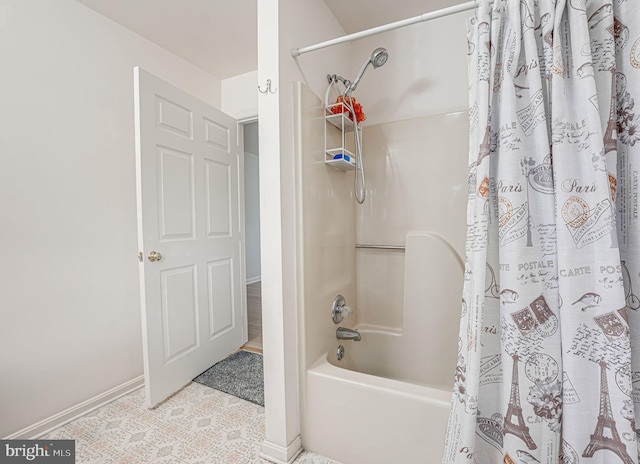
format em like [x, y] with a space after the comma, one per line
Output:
[69, 293]
[240, 95]
[252, 202]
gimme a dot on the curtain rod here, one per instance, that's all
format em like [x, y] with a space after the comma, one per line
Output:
[296, 52]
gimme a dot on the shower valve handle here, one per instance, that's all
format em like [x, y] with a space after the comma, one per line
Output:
[339, 310]
[347, 311]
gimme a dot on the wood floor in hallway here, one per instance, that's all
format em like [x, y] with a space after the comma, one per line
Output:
[254, 316]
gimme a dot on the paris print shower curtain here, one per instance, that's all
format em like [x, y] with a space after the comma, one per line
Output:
[549, 362]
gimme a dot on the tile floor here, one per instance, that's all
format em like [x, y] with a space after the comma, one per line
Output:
[196, 425]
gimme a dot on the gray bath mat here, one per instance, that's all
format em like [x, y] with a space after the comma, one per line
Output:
[240, 375]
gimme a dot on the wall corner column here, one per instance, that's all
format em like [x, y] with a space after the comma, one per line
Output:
[279, 320]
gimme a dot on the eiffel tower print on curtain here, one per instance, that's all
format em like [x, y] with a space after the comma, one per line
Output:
[610, 135]
[517, 428]
[605, 421]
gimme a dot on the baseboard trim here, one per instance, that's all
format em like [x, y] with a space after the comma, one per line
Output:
[253, 280]
[57, 420]
[273, 452]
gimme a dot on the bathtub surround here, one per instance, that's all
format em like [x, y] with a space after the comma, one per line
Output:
[407, 161]
[549, 331]
[387, 367]
[241, 375]
[326, 231]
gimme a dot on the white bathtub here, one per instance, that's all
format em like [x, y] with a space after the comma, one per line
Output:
[386, 353]
[384, 414]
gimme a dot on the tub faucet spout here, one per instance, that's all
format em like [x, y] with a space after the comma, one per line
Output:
[348, 334]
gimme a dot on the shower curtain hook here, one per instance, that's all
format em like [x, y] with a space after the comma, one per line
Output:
[268, 89]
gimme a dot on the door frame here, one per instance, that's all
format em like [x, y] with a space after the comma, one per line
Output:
[245, 315]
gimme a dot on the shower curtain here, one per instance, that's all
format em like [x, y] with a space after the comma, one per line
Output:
[548, 352]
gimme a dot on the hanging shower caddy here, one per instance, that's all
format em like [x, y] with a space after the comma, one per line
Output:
[339, 157]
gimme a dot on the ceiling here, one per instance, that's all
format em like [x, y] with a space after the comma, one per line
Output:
[220, 36]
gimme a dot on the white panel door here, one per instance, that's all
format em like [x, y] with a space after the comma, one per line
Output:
[190, 208]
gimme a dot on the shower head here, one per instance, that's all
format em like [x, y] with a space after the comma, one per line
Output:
[378, 58]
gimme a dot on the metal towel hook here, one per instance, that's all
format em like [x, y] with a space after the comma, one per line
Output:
[268, 89]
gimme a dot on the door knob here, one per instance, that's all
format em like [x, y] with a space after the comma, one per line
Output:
[154, 256]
